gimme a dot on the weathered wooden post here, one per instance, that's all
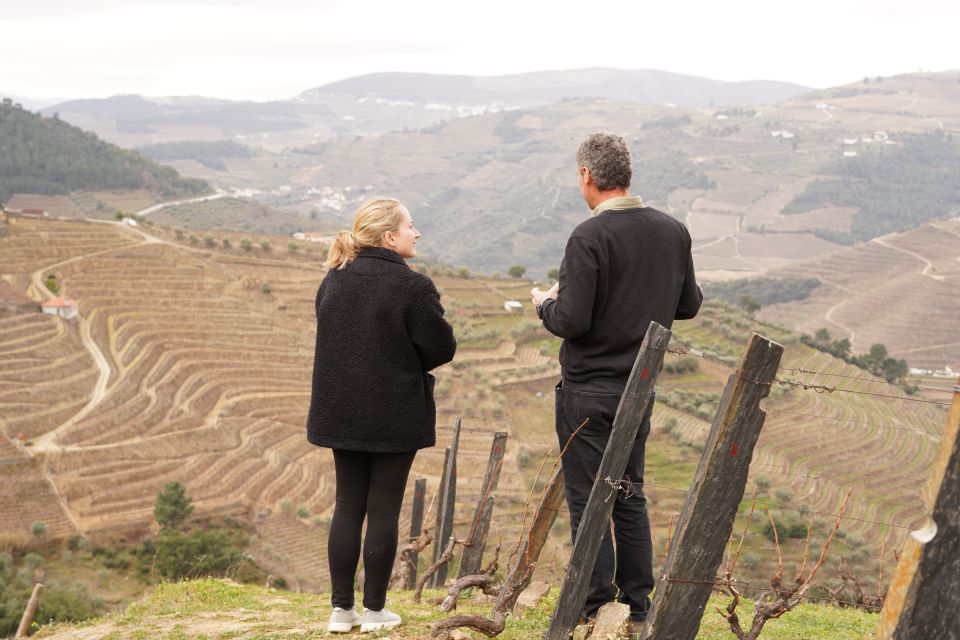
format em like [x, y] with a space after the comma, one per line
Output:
[520, 571]
[596, 516]
[445, 509]
[923, 600]
[473, 553]
[24, 629]
[416, 526]
[710, 509]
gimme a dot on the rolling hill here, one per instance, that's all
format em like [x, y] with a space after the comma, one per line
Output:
[380, 103]
[901, 290]
[48, 156]
[647, 86]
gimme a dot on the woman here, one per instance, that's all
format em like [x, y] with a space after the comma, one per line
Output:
[380, 330]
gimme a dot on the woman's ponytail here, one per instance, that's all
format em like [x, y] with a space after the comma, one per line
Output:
[371, 222]
[343, 251]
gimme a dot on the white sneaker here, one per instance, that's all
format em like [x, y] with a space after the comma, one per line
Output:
[343, 620]
[377, 620]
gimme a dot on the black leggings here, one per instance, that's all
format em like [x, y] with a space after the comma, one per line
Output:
[369, 485]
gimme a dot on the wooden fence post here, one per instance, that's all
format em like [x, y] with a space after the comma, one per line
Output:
[596, 516]
[473, 553]
[24, 629]
[520, 570]
[416, 526]
[445, 508]
[706, 520]
[923, 600]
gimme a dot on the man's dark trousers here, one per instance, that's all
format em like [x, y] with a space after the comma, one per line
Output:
[633, 575]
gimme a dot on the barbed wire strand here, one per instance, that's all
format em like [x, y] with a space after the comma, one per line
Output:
[819, 388]
[822, 388]
[862, 379]
[773, 415]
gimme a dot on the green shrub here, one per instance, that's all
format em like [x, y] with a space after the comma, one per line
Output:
[200, 553]
[117, 561]
[524, 459]
[173, 506]
[786, 530]
[783, 496]
[33, 561]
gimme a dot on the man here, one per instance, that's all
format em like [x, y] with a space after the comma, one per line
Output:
[625, 266]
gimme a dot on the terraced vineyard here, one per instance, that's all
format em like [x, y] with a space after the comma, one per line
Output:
[900, 290]
[195, 365]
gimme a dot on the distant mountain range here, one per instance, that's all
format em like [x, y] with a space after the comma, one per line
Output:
[383, 102]
[648, 86]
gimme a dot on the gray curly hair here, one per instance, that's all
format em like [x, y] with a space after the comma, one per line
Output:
[607, 157]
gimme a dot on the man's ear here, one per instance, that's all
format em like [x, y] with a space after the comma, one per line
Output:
[587, 178]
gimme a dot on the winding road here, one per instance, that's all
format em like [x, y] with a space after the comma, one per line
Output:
[926, 269]
[157, 207]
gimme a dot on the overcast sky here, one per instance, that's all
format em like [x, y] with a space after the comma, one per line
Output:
[275, 49]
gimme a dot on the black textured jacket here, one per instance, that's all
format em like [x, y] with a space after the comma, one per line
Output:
[380, 329]
[621, 269]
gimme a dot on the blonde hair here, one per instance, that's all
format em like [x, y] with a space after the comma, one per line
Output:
[371, 222]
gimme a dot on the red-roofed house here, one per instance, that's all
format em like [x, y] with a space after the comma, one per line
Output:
[61, 306]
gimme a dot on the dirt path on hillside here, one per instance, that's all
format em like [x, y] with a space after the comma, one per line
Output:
[828, 316]
[926, 269]
[157, 207]
[48, 441]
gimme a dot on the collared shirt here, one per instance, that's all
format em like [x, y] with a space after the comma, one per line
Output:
[622, 203]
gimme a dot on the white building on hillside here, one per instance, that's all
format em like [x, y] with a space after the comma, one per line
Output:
[314, 237]
[61, 306]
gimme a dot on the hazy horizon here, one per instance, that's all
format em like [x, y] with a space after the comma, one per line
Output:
[251, 50]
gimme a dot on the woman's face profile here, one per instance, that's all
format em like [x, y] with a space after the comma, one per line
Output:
[403, 240]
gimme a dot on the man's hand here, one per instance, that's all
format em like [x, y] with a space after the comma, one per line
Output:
[539, 296]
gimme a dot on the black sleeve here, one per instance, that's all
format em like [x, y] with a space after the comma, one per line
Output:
[431, 334]
[690, 295]
[571, 314]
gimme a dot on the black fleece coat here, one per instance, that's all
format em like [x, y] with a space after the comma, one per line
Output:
[380, 330]
[621, 269]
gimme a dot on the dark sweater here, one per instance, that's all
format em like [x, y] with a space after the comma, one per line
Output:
[380, 329]
[621, 269]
